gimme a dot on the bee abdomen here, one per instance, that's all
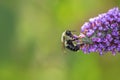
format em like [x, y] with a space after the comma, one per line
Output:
[71, 46]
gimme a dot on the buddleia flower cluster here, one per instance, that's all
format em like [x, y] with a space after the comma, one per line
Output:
[102, 33]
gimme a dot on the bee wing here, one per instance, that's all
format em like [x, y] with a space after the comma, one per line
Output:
[63, 37]
[63, 41]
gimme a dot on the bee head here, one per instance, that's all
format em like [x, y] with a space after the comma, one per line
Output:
[68, 33]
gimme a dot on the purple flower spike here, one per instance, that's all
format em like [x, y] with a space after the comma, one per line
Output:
[102, 33]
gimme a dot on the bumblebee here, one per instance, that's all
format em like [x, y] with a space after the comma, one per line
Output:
[70, 41]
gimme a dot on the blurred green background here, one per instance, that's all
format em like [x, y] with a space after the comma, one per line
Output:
[30, 47]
